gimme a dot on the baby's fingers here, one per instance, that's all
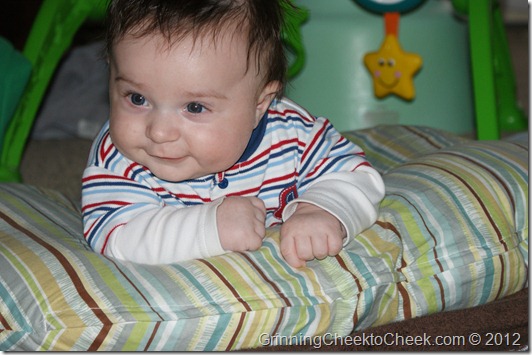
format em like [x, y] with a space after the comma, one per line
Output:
[335, 245]
[289, 252]
[258, 204]
[254, 242]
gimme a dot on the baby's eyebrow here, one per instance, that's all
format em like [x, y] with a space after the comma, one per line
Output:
[206, 94]
[119, 78]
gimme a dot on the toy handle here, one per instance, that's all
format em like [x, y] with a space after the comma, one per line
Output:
[383, 6]
[292, 38]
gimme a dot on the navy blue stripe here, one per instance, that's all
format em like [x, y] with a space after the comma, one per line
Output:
[280, 187]
[289, 119]
[96, 228]
[329, 166]
[115, 184]
[256, 139]
[110, 159]
[265, 161]
[317, 149]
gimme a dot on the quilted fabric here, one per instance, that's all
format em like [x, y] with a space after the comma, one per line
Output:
[452, 233]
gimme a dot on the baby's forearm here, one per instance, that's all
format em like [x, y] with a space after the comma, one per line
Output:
[167, 234]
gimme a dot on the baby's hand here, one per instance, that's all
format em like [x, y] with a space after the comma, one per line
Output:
[241, 223]
[309, 233]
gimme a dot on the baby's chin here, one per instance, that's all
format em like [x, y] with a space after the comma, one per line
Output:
[171, 175]
[177, 174]
[183, 169]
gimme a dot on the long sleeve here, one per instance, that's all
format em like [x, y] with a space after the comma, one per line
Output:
[168, 234]
[126, 220]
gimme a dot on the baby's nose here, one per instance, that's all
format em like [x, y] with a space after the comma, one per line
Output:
[163, 128]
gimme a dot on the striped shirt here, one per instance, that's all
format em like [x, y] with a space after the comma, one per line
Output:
[289, 151]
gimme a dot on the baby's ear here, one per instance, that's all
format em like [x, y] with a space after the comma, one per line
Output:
[266, 96]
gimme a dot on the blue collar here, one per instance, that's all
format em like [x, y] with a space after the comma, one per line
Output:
[256, 138]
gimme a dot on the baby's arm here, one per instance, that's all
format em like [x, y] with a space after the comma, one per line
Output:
[336, 206]
[162, 235]
[166, 234]
[127, 220]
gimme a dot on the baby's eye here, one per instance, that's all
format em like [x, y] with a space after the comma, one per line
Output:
[137, 99]
[195, 107]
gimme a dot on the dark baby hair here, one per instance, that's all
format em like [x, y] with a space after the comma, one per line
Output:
[176, 19]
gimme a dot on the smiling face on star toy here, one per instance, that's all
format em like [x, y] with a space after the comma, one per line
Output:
[392, 69]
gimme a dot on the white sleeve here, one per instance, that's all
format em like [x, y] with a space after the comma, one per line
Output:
[164, 235]
[352, 197]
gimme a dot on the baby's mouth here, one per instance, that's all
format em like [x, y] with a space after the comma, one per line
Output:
[172, 159]
[166, 157]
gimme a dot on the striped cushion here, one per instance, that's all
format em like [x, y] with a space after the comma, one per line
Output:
[452, 233]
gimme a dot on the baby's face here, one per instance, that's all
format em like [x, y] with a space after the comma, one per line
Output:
[188, 110]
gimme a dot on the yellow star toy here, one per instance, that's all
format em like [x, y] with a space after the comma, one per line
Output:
[391, 68]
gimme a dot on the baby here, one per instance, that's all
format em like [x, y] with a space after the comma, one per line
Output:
[202, 153]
